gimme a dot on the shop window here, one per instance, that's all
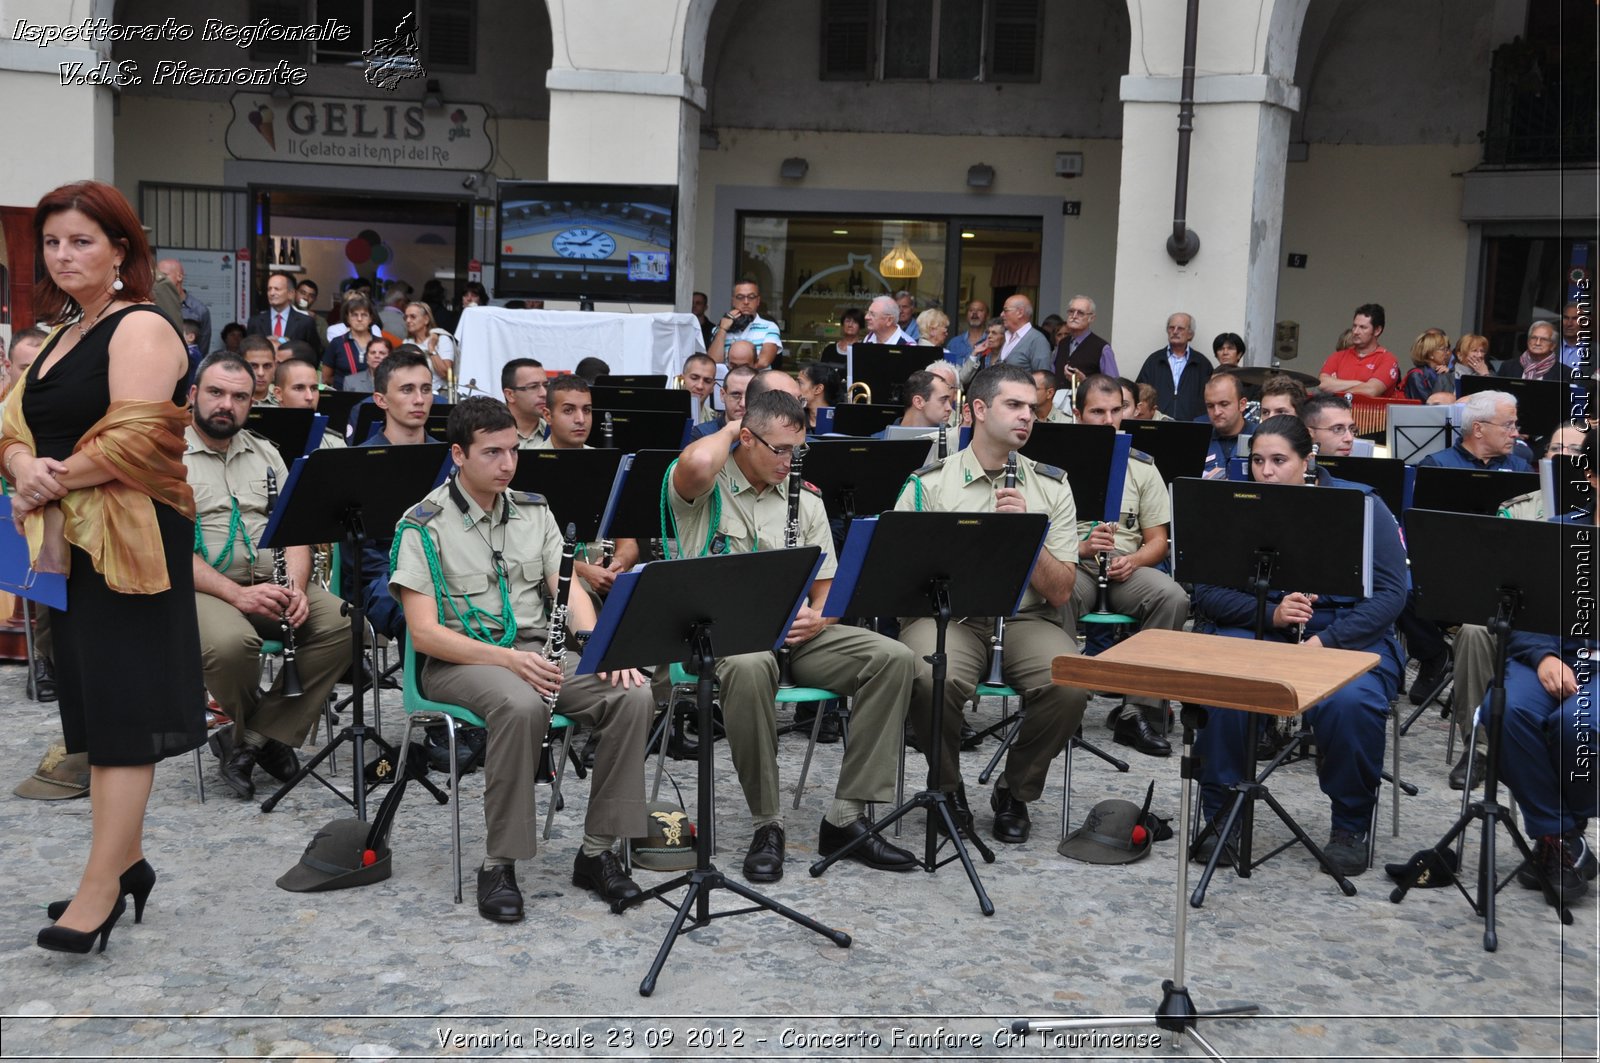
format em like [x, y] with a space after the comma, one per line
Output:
[920, 40]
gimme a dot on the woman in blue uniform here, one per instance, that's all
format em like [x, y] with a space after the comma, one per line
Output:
[1349, 725]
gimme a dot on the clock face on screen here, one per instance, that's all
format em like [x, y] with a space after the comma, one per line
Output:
[584, 242]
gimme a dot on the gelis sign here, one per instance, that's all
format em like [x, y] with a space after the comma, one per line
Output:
[349, 131]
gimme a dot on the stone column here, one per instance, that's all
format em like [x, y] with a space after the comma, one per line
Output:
[1244, 96]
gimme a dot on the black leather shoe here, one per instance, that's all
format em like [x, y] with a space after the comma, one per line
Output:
[437, 743]
[1432, 675]
[1201, 853]
[278, 760]
[764, 861]
[875, 852]
[236, 769]
[969, 737]
[1134, 730]
[1011, 823]
[499, 898]
[1458, 774]
[604, 875]
[828, 732]
[42, 684]
[962, 810]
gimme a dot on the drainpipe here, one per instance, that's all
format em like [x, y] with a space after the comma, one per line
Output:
[1184, 244]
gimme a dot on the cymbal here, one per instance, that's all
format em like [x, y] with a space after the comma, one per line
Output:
[1256, 375]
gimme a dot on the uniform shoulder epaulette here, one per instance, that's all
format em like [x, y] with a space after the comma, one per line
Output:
[424, 511]
[933, 466]
[1531, 496]
[813, 488]
[1050, 472]
[1139, 455]
[528, 498]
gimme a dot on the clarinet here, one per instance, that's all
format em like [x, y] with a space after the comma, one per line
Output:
[791, 539]
[555, 639]
[944, 440]
[607, 430]
[280, 576]
[997, 641]
[1102, 601]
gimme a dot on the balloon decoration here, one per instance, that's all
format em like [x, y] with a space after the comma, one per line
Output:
[367, 247]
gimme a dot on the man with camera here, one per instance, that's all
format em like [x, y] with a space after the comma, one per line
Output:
[743, 322]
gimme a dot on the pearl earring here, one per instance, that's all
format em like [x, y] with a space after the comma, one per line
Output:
[116, 283]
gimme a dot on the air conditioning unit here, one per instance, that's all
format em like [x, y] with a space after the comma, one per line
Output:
[1069, 164]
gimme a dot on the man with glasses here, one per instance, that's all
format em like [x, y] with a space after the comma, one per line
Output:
[744, 322]
[1178, 372]
[883, 323]
[1488, 436]
[732, 391]
[526, 387]
[1541, 361]
[1082, 353]
[1332, 426]
[726, 499]
[1025, 345]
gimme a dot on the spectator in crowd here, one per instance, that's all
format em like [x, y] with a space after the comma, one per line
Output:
[1080, 352]
[347, 350]
[906, 314]
[1364, 367]
[1472, 356]
[744, 322]
[193, 309]
[232, 334]
[960, 348]
[697, 308]
[392, 314]
[852, 323]
[305, 301]
[1025, 345]
[1178, 372]
[1574, 326]
[883, 323]
[933, 328]
[377, 350]
[436, 343]
[1229, 349]
[1542, 359]
[1430, 363]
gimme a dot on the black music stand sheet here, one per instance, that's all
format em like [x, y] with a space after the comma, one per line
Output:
[1178, 447]
[1096, 459]
[1545, 561]
[859, 476]
[636, 380]
[635, 430]
[293, 432]
[337, 406]
[1564, 483]
[633, 507]
[325, 487]
[651, 611]
[1320, 540]
[1390, 477]
[1414, 432]
[884, 367]
[1468, 490]
[16, 572]
[890, 562]
[662, 400]
[576, 483]
[862, 419]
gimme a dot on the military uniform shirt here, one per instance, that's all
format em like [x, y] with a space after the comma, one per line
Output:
[1145, 504]
[959, 484]
[238, 473]
[522, 530]
[751, 521]
[536, 440]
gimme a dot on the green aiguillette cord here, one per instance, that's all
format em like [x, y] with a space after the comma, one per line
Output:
[476, 623]
[225, 556]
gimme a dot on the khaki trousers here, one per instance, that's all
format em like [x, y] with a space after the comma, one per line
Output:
[1474, 671]
[230, 653]
[518, 719]
[1151, 597]
[1032, 643]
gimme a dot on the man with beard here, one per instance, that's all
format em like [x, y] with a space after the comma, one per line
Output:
[238, 603]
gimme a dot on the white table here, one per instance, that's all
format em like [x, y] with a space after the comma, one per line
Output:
[490, 336]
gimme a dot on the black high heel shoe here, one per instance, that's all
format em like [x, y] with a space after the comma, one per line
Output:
[136, 882]
[61, 939]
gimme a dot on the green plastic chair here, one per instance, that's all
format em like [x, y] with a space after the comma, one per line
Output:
[422, 711]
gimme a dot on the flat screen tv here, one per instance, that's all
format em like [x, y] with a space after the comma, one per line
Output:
[560, 240]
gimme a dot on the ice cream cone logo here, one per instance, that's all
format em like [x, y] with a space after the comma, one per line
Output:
[261, 118]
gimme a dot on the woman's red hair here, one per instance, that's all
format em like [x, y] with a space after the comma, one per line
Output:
[110, 209]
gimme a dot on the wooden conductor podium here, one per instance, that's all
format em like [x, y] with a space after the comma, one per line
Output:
[1276, 678]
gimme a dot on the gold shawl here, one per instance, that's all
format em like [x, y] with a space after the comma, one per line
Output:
[140, 443]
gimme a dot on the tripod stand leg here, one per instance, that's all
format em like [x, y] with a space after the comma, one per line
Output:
[1486, 884]
[306, 769]
[648, 986]
[1198, 897]
[1347, 887]
[838, 937]
[985, 905]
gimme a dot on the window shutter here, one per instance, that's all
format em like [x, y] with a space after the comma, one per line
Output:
[450, 31]
[847, 45]
[1015, 32]
[283, 13]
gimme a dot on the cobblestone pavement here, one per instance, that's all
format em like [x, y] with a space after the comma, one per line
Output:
[226, 965]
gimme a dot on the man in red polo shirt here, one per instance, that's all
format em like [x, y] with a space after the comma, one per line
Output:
[1365, 368]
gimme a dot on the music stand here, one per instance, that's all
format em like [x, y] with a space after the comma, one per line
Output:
[337, 406]
[1195, 669]
[1096, 459]
[1390, 477]
[1541, 404]
[1179, 448]
[1413, 432]
[633, 509]
[335, 496]
[1564, 483]
[293, 432]
[1497, 552]
[920, 564]
[862, 476]
[1253, 538]
[884, 367]
[437, 427]
[660, 399]
[1468, 490]
[631, 380]
[864, 419]
[576, 483]
[696, 610]
[635, 430]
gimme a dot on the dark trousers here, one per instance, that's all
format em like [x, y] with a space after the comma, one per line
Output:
[1548, 750]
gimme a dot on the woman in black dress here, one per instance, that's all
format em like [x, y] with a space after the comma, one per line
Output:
[93, 446]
